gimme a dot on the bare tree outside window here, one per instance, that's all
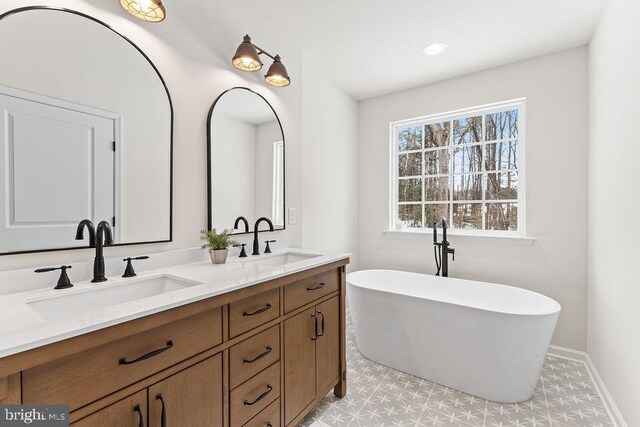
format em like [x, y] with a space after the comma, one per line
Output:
[463, 168]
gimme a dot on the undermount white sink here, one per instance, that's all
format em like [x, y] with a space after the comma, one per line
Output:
[106, 295]
[284, 259]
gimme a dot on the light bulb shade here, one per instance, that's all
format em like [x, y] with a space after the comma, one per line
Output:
[246, 57]
[147, 10]
[277, 74]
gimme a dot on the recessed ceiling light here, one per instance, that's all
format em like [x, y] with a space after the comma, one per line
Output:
[434, 48]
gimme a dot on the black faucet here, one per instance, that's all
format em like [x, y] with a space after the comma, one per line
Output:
[256, 243]
[92, 232]
[442, 250]
[237, 223]
[99, 238]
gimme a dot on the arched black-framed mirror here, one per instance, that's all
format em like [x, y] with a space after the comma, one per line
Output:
[245, 160]
[88, 133]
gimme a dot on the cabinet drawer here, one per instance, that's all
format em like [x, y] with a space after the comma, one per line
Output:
[254, 311]
[310, 289]
[270, 416]
[254, 395]
[87, 376]
[253, 355]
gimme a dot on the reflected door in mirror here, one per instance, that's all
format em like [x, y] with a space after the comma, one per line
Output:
[60, 167]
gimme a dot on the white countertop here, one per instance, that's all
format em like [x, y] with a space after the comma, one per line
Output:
[22, 328]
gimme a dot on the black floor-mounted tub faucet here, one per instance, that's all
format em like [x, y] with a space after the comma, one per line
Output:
[442, 250]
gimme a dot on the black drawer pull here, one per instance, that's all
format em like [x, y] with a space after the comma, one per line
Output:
[258, 357]
[315, 327]
[139, 411]
[259, 398]
[320, 286]
[149, 355]
[321, 314]
[269, 424]
[258, 311]
[163, 414]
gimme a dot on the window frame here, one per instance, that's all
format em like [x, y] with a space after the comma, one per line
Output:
[394, 128]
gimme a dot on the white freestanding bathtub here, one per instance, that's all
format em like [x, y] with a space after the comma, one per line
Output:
[484, 339]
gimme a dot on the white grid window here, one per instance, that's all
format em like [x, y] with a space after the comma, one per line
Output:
[465, 166]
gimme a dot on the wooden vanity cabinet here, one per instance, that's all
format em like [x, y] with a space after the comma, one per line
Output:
[299, 363]
[311, 356]
[259, 356]
[328, 345]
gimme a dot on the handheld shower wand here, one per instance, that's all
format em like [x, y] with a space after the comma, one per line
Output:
[436, 251]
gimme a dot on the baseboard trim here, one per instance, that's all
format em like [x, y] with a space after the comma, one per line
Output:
[568, 353]
[605, 396]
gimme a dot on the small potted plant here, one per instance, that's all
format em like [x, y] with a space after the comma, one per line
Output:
[218, 244]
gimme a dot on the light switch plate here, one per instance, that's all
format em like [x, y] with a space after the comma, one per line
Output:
[292, 216]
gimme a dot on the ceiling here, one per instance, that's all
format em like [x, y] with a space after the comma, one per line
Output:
[374, 47]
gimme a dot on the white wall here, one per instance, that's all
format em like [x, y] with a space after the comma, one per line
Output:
[192, 50]
[329, 166]
[556, 161]
[614, 204]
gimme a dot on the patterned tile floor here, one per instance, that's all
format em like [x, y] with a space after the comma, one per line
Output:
[381, 396]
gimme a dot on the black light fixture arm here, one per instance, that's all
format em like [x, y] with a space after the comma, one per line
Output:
[262, 51]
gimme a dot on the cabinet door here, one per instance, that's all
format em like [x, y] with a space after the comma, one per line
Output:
[191, 398]
[328, 344]
[128, 412]
[299, 363]
[10, 392]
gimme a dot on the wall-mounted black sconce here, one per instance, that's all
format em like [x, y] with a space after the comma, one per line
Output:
[247, 58]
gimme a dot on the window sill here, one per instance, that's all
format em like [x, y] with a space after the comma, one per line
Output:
[513, 240]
